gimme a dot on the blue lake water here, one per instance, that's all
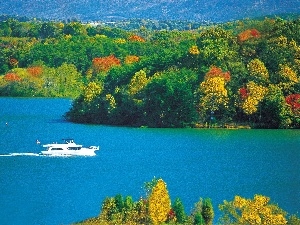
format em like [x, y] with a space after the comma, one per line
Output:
[194, 163]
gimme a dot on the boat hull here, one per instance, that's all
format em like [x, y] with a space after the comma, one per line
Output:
[82, 152]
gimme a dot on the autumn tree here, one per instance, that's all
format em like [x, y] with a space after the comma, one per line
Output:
[35, 71]
[213, 92]
[258, 71]
[194, 50]
[136, 38]
[256, 211]
[138, 82]
[293, 100]
[91, 91]
[108, 210]
[13, 62]
[217, 72]
[103, 64]
[252, 96]
[130, 59]
[159, 203]
[248, 34]
[11, 77]
[287, 79]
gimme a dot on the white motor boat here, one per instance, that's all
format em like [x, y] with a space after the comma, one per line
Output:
[69, 148]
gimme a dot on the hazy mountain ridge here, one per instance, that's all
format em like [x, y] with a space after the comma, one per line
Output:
[197, 10]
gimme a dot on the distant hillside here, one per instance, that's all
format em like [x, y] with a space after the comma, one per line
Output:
[195, 10]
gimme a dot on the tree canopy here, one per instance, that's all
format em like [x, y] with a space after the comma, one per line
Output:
[211, 75]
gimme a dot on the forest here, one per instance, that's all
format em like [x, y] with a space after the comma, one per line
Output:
[237, 74]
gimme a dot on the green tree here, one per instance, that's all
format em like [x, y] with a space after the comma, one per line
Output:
[169, 99]
[49, 30]
[275, 111]
[5, 29]
[119, 201]
[207, 211]
[196, 215]
[293, 220]
[217, 46]
[74, 28]
[178, 208]
[279, 50]
[70, 80]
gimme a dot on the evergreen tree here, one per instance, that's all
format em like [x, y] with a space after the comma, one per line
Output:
[179, 210]
[207, 211]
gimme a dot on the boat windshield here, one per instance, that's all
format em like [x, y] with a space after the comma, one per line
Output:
[68, 140]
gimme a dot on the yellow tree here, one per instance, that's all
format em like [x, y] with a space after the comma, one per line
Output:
[256, 211]
[159, 203]
[194, 50]
[287, 78]
[257, 70]
[255, 94]
[91, 91]
[111, 102]
[138, 82]
[214, 95]
[130, 59]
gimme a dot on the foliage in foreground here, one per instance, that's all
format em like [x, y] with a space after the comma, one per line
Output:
[156, 208]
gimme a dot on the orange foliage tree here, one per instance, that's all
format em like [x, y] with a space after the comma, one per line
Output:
[11, 77]
[136, 38]
[103, 64]
[217, 72]
[247, 34]
[35, 71]
[13, 62]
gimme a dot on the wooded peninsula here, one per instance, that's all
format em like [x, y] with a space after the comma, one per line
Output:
[242, 72]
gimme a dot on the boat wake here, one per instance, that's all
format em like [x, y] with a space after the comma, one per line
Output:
[20, 154]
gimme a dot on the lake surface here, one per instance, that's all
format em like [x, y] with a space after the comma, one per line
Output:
[214, 163]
